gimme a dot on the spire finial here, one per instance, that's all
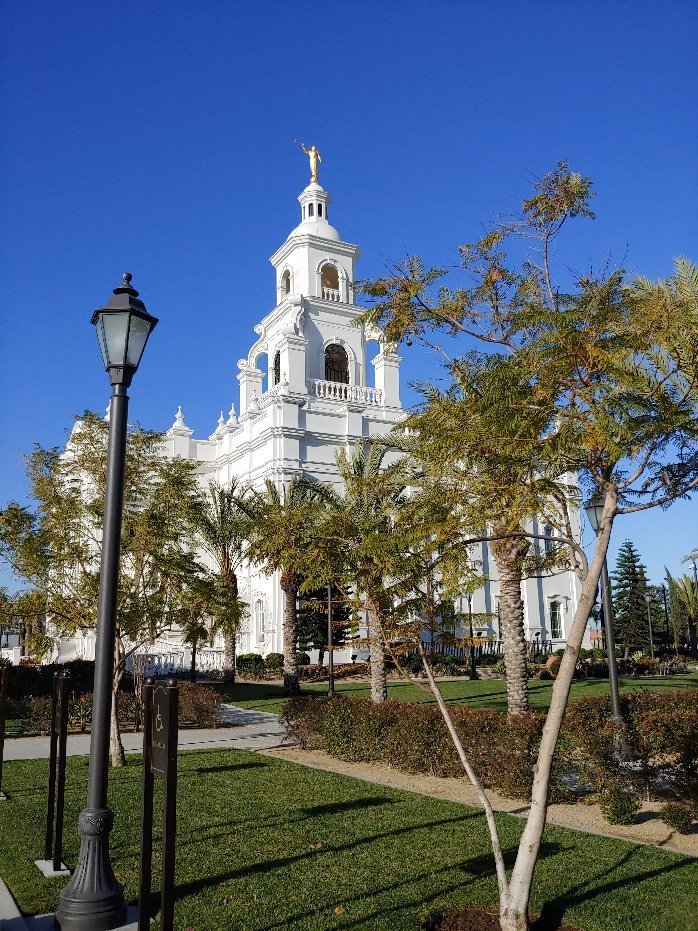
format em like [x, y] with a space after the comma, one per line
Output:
[314, 157]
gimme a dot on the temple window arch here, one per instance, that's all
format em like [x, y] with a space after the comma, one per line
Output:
[330, 276]
[262, 364]
[286, 282]
[277, 367]
[336, 364]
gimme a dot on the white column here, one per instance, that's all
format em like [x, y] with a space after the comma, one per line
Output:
[387, 365]
[250, 385]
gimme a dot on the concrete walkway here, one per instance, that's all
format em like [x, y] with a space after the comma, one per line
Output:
[240, 730]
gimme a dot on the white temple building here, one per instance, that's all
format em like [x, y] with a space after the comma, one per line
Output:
[307, 390]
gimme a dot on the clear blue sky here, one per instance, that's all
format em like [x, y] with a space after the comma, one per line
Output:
[158, 138]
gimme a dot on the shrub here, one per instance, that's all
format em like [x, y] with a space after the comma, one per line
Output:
[26, 680]
[39, 714]
[199, 705]
[303, 659]
[445, 665]
[500, 667]
[618, 805]
[250, 665]
[274, 660]
[130, 710]
[412, 663]
[678, 815]
[80, 711]
[413, 738]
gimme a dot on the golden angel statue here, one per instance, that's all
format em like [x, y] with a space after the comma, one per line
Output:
[314, 157]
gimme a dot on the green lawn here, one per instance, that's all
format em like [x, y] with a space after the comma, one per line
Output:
[483, 693]
[265, 845]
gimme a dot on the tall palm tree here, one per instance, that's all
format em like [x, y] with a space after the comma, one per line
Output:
[371, 498]
[221, 520]
[283, 524]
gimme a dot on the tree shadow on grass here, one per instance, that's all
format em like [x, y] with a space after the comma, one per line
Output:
[196, 886]
[336, 807]
[230, 767]
[554, 910]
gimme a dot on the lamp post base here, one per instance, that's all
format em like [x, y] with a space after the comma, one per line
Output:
[93, 900]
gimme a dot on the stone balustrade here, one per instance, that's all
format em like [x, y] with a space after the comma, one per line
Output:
[337, 391]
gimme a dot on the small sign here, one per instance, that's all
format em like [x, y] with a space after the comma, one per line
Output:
[161, 720]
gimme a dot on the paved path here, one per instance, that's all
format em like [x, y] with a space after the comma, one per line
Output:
[241, 730]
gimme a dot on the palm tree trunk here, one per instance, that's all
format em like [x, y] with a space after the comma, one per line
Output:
[379, 681]
[290, 583]
[229, 640]
[507, 556]
[192, 671]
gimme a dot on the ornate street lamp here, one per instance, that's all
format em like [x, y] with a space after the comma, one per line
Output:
[93, 900]
[594, 513]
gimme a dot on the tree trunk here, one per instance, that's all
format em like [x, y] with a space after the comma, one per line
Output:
[116, 748]
[507, 556]
[229, 657]
[527, 855]
[229, 640]
[379, 682]
[290, 583]
[192, 671]
[320, 657]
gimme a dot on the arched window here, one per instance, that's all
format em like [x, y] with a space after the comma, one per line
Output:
[330, 277]
[286, 282]
[311, 210]
[555, 620]
[260, 618]
[277, 367]
[336, 364]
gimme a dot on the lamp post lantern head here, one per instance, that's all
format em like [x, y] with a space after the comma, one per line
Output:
[594, 509]
[123, 328]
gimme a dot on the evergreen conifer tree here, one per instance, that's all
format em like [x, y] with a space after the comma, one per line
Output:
[629, 584]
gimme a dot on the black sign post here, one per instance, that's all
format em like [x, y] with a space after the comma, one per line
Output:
[52, 864]
[160, 723]
[4, 677]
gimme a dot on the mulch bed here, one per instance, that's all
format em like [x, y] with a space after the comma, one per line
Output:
[482, 919]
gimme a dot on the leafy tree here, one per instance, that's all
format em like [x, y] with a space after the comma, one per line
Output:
[55, 545]
[312, 620]
[630, 589]
[683, 601]
[282, 527]
[604, 375]
[492, 497]
[221, 523]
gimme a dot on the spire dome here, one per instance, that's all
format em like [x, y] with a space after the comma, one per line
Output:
[314, 201]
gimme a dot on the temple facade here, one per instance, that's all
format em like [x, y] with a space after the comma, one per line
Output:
[311, 384]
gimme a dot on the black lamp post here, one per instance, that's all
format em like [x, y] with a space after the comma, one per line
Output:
[594, 512]
[93, 900]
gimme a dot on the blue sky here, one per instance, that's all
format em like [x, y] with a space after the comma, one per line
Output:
[158, 138]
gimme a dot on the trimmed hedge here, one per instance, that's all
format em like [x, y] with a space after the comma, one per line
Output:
[661, 731]
[198, 707]
[25, 681]
[413, 738]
